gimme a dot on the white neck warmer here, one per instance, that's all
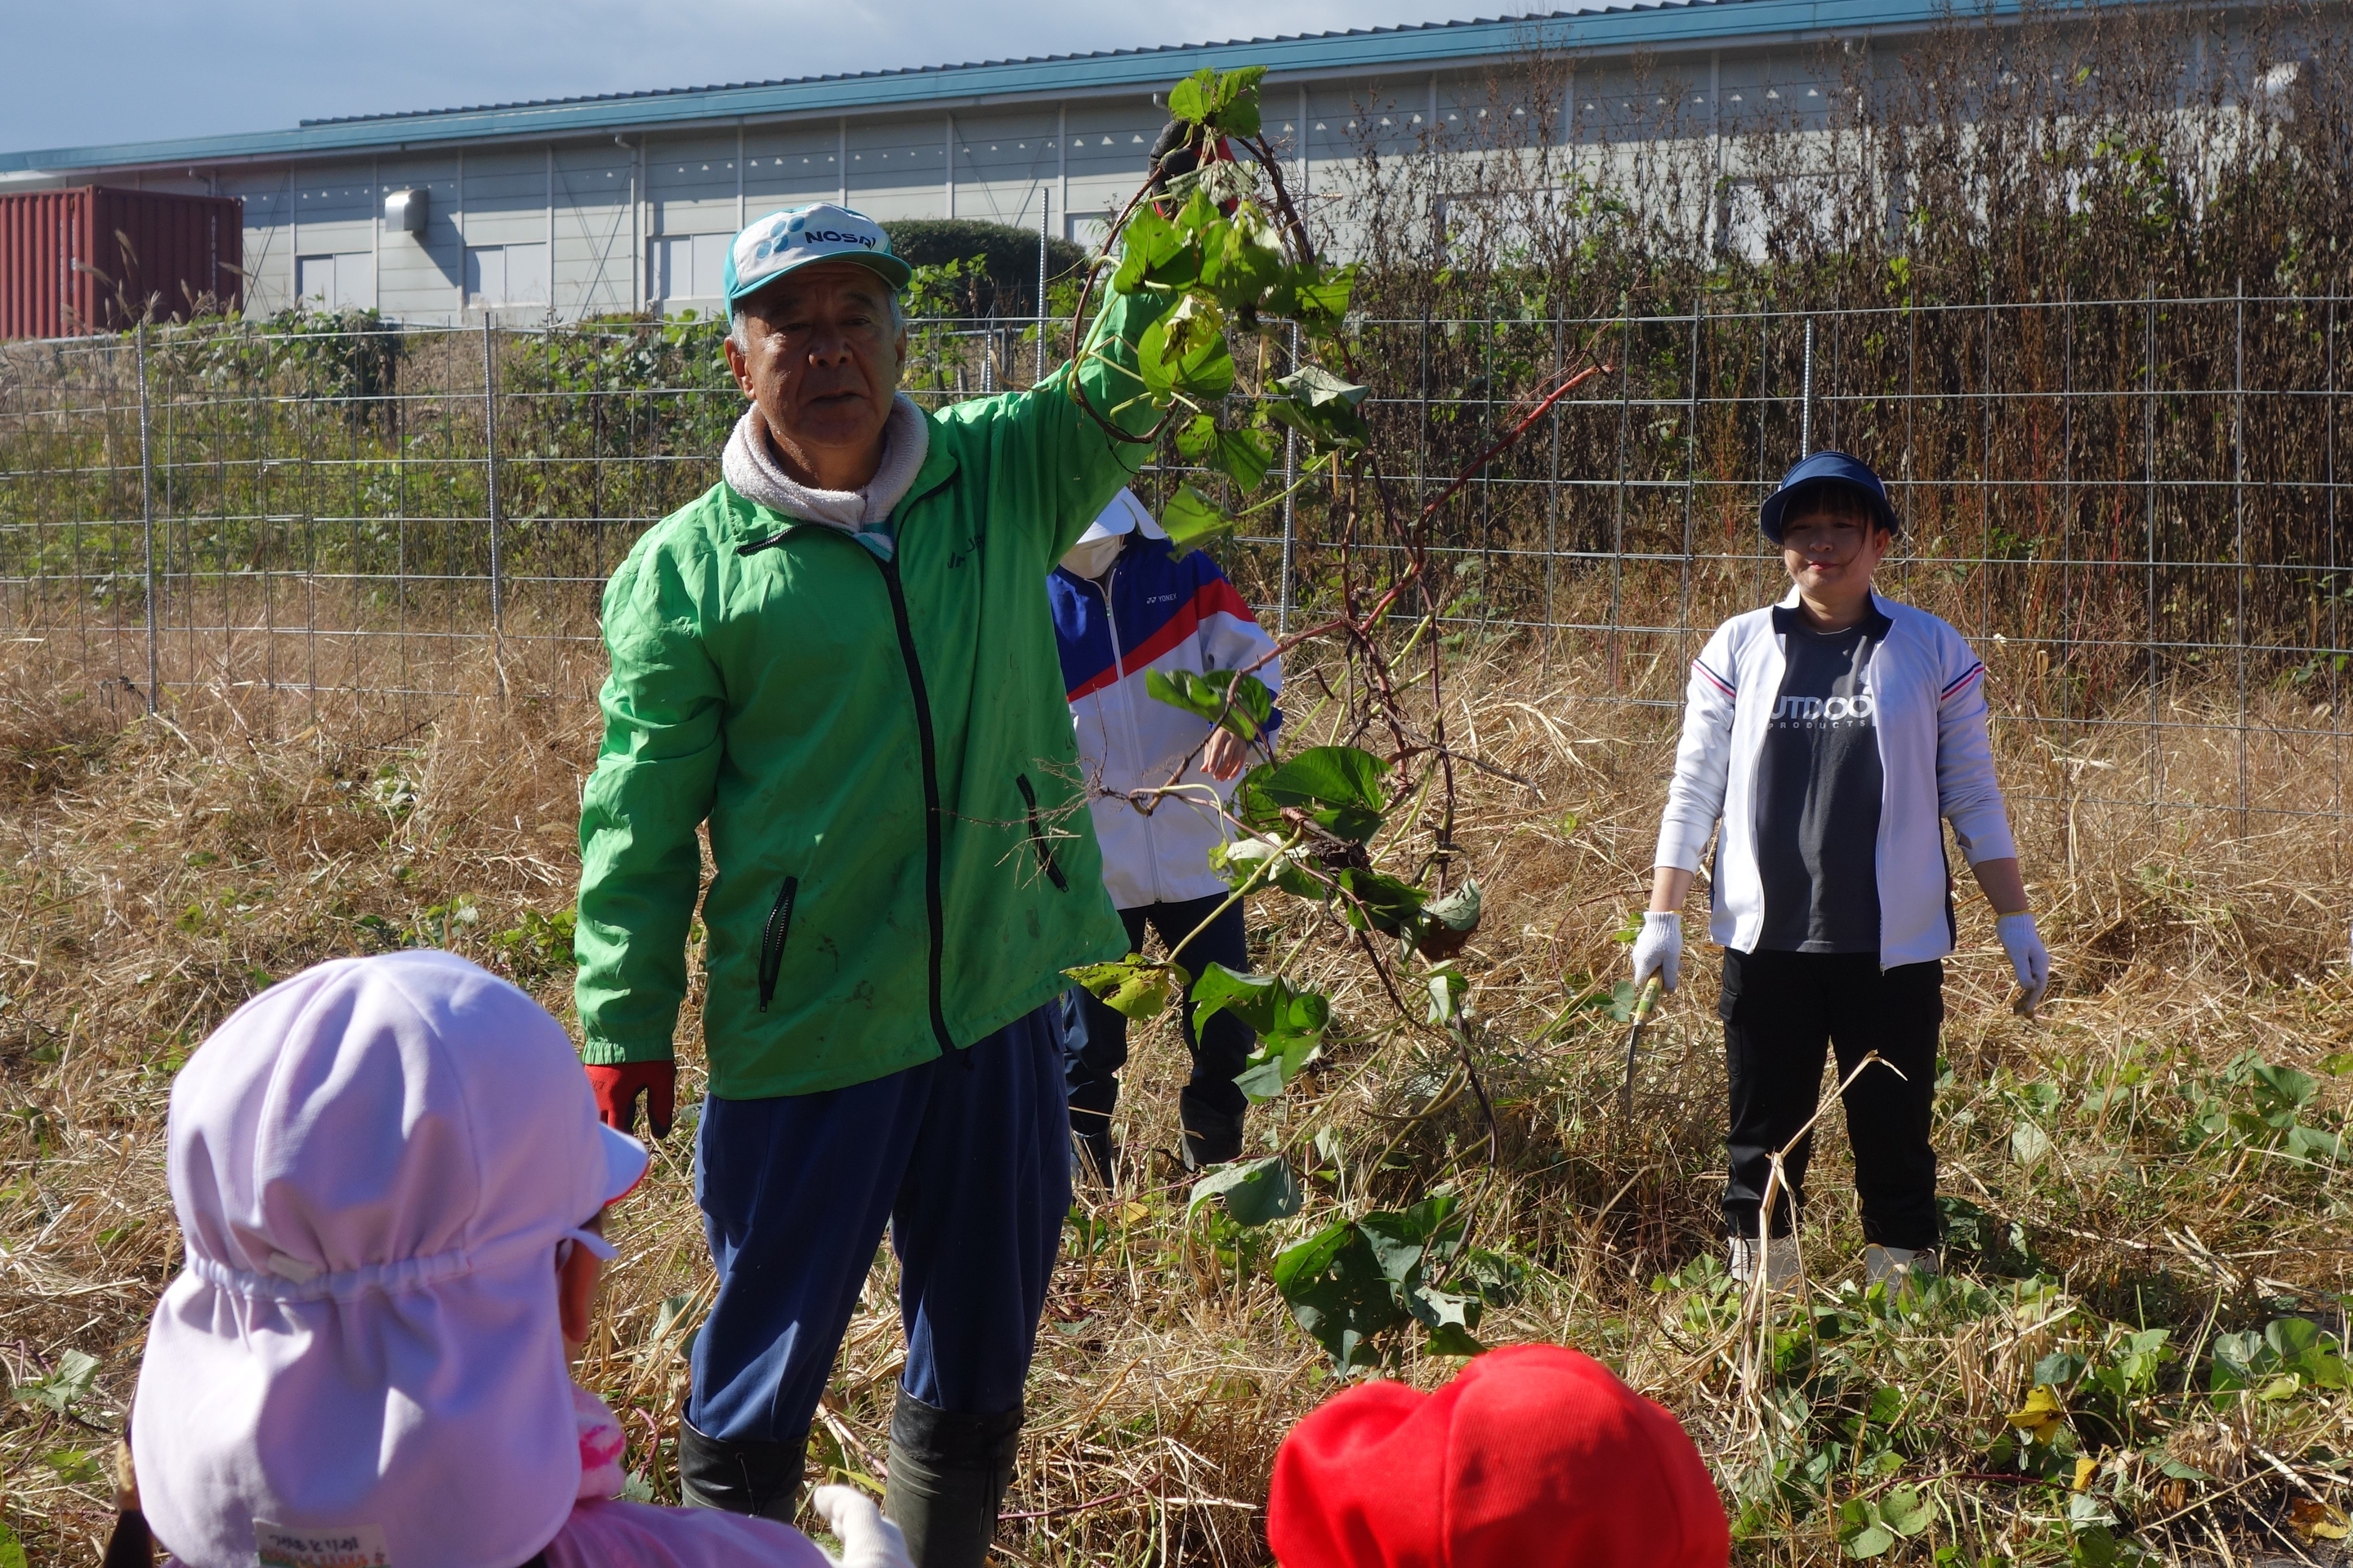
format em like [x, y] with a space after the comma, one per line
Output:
[752, 469]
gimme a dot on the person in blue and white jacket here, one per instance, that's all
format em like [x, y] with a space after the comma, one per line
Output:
[1832, 736]
[1125, 604]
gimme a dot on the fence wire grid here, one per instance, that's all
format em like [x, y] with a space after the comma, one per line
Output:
[2129, 505]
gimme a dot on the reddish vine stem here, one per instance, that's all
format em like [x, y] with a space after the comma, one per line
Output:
[1443, 837]
[1294, 225]
[1359, 629]
[1504, 442]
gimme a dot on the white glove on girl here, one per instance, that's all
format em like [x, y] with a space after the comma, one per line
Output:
[868, 1540]
[1659, 948]
[2028, 959]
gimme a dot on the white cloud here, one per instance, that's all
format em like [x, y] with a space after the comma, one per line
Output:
[109, 70]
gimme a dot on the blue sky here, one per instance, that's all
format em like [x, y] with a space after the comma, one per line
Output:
[83, 71]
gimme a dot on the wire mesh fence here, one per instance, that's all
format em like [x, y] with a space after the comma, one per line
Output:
[2130, 505]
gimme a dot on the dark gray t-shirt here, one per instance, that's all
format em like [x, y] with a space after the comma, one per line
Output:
[1817, 792]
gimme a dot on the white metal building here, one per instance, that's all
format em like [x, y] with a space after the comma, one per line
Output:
[626, 202]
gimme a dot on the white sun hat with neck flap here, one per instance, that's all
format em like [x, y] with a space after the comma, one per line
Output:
[374, 1165]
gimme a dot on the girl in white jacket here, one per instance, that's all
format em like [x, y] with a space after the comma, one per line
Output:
[1830, 736]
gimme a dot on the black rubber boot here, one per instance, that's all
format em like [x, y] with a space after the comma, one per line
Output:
[763, 1479]
[1091, 1103]
[948, 1476]
[1211, 1137]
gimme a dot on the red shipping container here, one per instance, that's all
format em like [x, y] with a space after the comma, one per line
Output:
[99, 259]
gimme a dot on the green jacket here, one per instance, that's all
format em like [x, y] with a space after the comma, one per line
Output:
[884, 752]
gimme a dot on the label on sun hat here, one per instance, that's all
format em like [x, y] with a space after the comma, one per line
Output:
[802, 236]
[341, 1546]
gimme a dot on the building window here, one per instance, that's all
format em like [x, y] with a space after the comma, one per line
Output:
[343, 282]
[506, 275]
[687, 266]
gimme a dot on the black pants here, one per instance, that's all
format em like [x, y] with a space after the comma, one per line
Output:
[1210, 1100]
[1779, 1011]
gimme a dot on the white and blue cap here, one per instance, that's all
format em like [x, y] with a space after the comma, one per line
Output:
[803, 236]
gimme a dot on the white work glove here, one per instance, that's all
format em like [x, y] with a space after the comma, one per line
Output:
[868, 1540]
[2028, 957]
[1659, 948]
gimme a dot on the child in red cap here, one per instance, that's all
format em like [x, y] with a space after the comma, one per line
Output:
[1533, 1455]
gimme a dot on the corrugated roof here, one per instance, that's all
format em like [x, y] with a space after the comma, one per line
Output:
[1065, 60]
[1668, 24]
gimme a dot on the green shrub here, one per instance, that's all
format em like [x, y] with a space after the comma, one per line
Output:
[1005, 281]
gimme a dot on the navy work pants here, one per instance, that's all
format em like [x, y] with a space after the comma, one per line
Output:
[1220, 1049]
[966, 1158]
[1781, 1011]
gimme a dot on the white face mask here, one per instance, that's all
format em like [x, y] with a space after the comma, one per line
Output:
[1090, 558]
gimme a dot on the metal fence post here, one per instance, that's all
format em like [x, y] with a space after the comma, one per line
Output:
[490, 489]
[1045, 200]
[1806, 397]
[1552, 499]
[1289, 507]
[2148, 554]
[1691, 482]
[1617, 513]
[147, 507]
[2239, 521]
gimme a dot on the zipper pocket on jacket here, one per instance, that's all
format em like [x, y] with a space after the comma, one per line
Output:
[1038, 835]
[771, 939]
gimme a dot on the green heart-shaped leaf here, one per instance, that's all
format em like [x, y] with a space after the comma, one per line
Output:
[1243, 456]
[1337, 1292]
[1337, 787]
[1276, 1013]
[1186, 354]
[1132, 987]
[1206, 697]
[1256, 1191]
[1190, 518]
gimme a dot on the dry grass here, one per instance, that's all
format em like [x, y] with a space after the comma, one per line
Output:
[152, 877]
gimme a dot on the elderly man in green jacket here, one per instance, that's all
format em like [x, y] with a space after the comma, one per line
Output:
[840, 658]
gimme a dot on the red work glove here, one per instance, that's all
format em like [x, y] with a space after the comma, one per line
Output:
[617, 1089]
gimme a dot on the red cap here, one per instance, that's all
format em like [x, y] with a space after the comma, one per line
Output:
[1533, 1455]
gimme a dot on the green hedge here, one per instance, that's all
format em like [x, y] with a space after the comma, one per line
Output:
[1006, 283]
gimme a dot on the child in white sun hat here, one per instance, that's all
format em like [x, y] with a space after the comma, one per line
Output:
[390, 1179]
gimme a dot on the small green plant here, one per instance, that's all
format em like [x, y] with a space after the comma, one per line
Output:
[445, 925]
[63, 1386]
[1354, 1280]
[2289, 1356]
[536, 945]
[2261, 1106]
[1871, 1527]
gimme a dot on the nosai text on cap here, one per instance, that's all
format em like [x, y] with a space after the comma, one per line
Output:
[803, 236]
